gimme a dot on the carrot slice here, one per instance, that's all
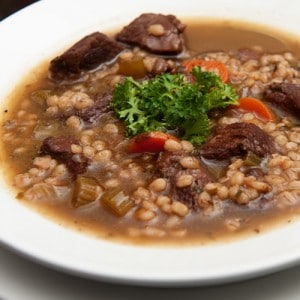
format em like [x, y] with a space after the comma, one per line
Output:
[208, 65]
[257, 107]
[152, 142]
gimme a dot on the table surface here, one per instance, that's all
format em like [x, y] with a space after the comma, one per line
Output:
[22, 279]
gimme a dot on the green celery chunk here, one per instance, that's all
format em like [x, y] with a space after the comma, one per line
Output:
[252, 159]
[117, 202]
[42, 131]
[40, 97]
[86, 190]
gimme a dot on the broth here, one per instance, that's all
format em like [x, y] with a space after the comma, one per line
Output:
[216, 35]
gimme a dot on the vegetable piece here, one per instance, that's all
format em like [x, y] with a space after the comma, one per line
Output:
[257, 107]
[42, 131]
[214, 66]
[86, 190]
[117, 202]
[252, 159]
[149, 142]
[134, 68]
[41, 192]
[40, 96]
[169, 102]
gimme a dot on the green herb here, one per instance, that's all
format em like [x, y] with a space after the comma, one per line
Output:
[169, 102]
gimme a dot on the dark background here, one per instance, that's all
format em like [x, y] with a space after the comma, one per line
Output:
[7, 7]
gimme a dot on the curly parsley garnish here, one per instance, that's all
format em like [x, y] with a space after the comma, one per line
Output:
[170, 102]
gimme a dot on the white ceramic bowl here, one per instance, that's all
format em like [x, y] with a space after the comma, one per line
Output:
[40, 32]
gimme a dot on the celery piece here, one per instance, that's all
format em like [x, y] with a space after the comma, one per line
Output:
[40, 97]
[134, 68]
[251, 159]
[116, 201]
[86, 190]
[42, 131]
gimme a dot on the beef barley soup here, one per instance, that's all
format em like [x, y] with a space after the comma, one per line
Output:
[162, 132]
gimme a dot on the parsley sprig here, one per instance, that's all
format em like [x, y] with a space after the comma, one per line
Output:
[170, 102]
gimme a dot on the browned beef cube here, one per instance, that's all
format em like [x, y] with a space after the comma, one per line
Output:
[91, 114]
[245, 54]
[85, 55]
[60, 149]
[168, 166]
[237, 139]
[100, 107]
[286, 96]
[156, 33]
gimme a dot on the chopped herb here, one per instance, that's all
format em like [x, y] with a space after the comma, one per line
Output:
[169, 102]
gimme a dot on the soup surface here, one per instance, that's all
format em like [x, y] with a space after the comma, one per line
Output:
[161, 133]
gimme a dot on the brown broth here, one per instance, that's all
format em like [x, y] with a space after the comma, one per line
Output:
[209, 36]
[215, 35]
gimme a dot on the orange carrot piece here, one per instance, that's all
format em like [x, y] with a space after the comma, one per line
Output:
[257, 107]
[151, 142]
[208, 65]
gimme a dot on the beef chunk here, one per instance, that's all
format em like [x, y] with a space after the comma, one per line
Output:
[100, 107]
[255, 172]
[189, 195]
[87, 54]
[286, 96]
[245, 54]
[60, 149]
[91, 114]
[141, 32]
[160, 66]
[237, 139]
[168, 166]
[168, 163]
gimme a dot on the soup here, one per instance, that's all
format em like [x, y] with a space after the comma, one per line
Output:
[161, 133]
